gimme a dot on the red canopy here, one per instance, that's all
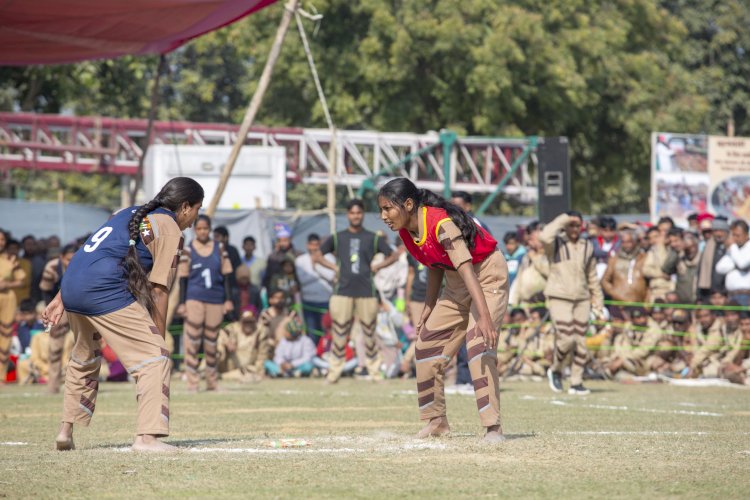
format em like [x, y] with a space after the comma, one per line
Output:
[63, 31]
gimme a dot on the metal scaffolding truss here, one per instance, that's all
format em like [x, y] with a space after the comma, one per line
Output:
[108, 145]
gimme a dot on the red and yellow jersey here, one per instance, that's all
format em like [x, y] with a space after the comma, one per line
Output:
[441, 245]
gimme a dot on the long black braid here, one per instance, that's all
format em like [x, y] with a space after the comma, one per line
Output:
[172, 196]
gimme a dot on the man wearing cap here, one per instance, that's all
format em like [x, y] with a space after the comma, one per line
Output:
[715, 234]
[572, 291]
[735, 264]
[707, 340]
[633, 345]
[242, 345]
[283, 251]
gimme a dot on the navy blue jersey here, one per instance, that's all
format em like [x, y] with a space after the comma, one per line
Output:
[205, 282]
[96, 280]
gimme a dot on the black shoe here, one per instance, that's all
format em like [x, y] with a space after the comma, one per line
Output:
[579, 390]
[554, 381]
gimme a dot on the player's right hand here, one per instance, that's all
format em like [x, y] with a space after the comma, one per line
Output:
[53, 312]
[181, 310]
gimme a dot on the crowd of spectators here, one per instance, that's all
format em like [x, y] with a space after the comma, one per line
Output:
[676, 306]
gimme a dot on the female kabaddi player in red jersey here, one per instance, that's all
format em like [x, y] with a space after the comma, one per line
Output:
[473, 302]
[116, 287]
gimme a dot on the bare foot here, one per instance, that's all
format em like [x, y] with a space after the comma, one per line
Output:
[494, 435]
[147, 442]
[64, 439]
[437, 426]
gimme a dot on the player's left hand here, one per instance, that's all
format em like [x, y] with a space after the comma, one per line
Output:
[487, 331]
[228, 306]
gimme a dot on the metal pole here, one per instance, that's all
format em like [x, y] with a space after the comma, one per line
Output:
[289, 9]
[519, 161]
[448, 139]
[149, 127]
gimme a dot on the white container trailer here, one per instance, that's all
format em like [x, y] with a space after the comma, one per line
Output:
[258, 179]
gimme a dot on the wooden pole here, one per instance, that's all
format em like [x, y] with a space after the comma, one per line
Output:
[289, 10]
[332, 182]
[149, 127]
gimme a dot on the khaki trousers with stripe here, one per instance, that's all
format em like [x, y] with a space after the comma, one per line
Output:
[7, 317]
[452, 322]
[571, 318]
[343, 310]
[57, 336]
[139, 346]
[202, 325]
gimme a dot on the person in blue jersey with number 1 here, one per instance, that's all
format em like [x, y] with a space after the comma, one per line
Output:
[205, 296]
[116, 287]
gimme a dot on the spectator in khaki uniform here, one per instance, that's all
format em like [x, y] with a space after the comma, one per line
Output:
[737, 361]
[624, 280]
[707, 338]
[50, 285]
[683, 262]
[572, 292]
[533, 270]
[242, 348]
[659, 284]
[634, 345]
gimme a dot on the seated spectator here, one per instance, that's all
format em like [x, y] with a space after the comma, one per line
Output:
[242, 348]
[633, 345]
[324, 349]
[510, 340]
[706, 340]
[538, 345]
[33, 367]
[27, 324]
[737, 362]
[389, 331]
[294, 353]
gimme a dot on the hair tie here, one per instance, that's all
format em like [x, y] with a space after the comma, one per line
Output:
[131, 243]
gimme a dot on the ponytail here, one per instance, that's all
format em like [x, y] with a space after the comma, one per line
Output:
[401, 189]
[460, 218]
[138, 283]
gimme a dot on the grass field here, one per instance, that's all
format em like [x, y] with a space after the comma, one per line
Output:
[653, 441]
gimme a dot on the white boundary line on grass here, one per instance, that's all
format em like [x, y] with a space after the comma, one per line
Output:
[557, 402]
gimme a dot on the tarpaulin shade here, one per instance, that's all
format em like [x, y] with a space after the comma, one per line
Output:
[63, 31]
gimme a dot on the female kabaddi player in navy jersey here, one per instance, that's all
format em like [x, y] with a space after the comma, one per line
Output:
[205, 296]
[116, 287]
[453, 246]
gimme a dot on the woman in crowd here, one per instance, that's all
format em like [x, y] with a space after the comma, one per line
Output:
[205, 296]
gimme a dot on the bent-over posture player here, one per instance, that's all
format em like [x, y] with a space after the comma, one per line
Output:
[117, 287]
[452, 245]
